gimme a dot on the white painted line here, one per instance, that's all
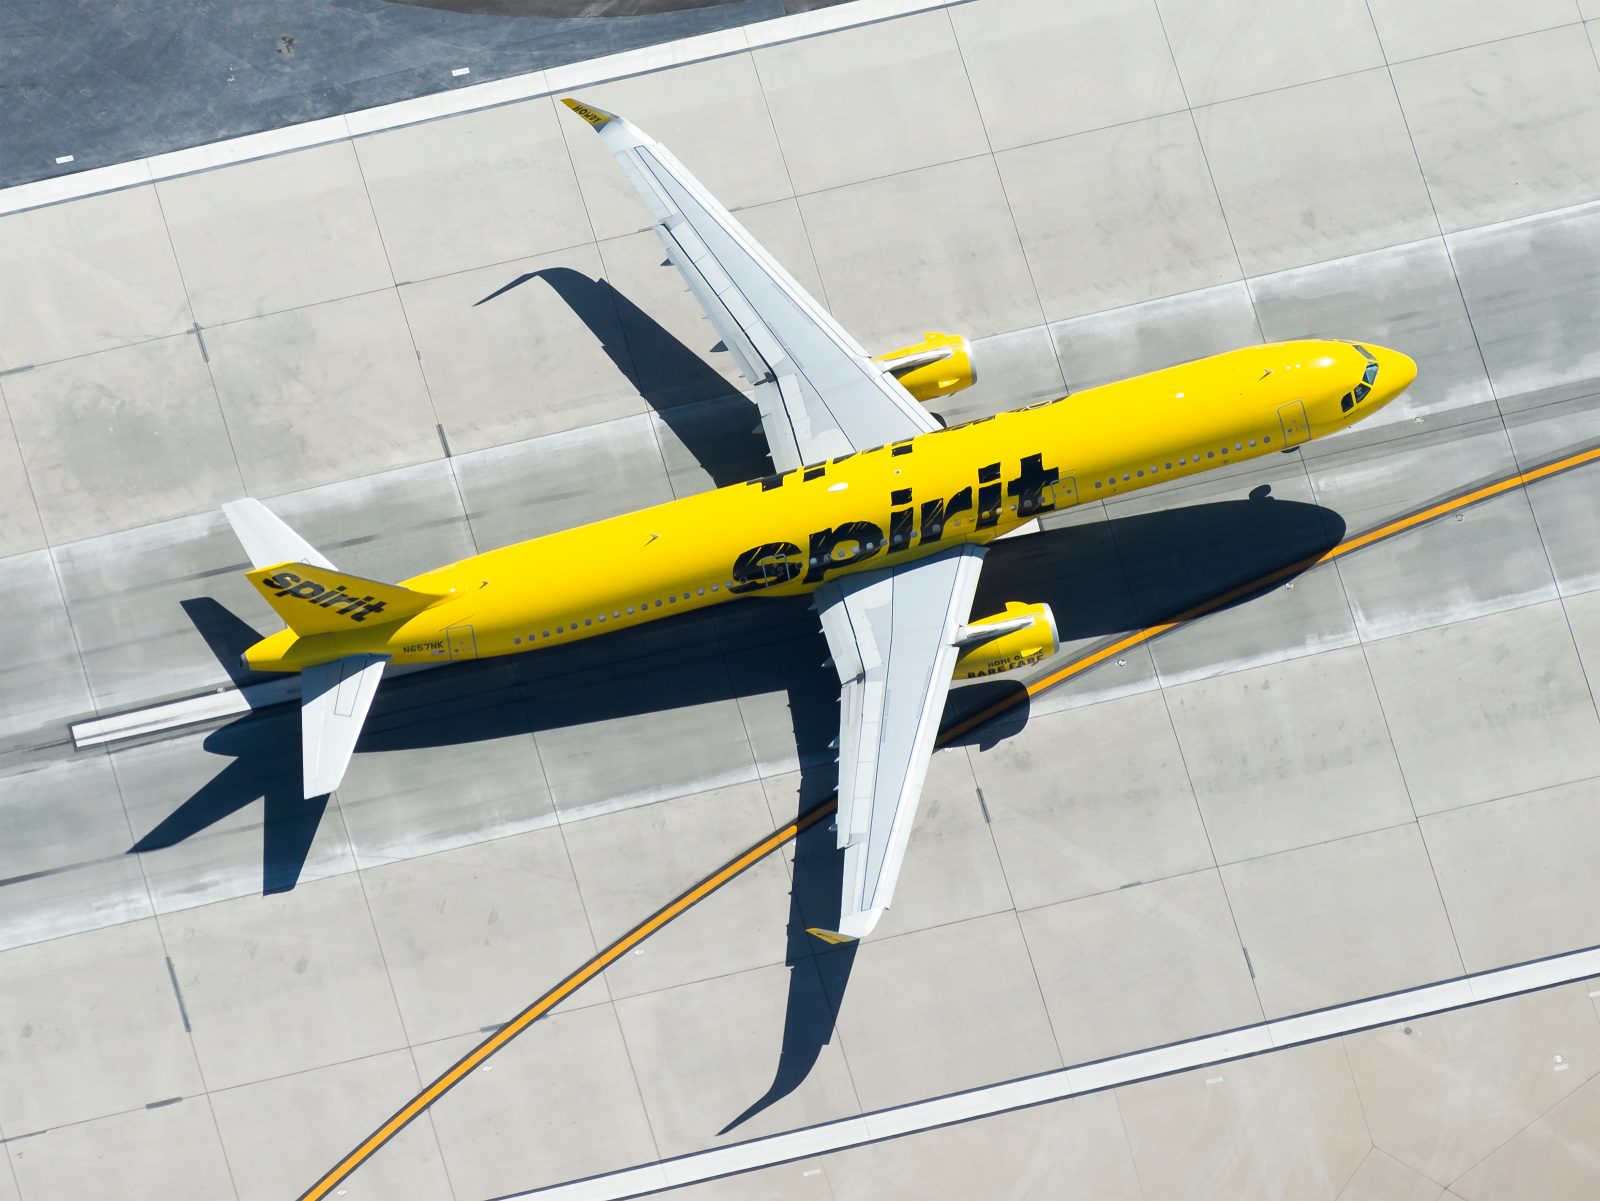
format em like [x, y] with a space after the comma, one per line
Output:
[1057, 1085]
[43, 192]
[190, 711]
[65, 158]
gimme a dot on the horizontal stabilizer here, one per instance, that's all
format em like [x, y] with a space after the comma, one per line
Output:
[334, 699]
[266, 538]
[317, 600]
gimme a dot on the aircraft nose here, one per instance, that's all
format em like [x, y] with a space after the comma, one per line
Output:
[1395, 372]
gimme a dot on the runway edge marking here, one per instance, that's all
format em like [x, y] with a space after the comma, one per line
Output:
[780, 837]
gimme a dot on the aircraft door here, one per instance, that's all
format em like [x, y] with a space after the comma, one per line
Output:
[1065, 492]
[462, 643]
[1292, 417]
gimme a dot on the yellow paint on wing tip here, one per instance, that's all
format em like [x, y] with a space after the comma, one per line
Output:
[593, 116]
[832, 937]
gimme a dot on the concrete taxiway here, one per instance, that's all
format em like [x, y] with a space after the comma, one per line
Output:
[1382, 773]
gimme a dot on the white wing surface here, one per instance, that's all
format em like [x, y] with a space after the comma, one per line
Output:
[892, 635]
[334, 699]
[820, 395]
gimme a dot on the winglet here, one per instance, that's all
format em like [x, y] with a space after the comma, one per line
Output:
[831, 937]
[598, 117]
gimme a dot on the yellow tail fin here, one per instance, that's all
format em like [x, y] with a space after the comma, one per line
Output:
[318, 600]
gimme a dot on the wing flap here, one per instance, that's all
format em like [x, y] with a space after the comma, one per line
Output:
[334, 700]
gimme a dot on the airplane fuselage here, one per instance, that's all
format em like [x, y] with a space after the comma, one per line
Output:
[790, 533]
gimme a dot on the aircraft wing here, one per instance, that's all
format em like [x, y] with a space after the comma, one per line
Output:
[892, 634]
[820, 395]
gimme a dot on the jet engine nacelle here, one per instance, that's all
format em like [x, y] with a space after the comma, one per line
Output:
[1010, 641]
[937, 366]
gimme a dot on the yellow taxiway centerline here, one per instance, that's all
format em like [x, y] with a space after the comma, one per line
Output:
[778, 838]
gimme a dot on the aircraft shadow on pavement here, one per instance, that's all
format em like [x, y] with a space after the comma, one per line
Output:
[715, 422]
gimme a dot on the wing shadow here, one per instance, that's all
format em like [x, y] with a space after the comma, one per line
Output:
[716, 423]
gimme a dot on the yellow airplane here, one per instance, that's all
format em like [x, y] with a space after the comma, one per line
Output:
[875, 509]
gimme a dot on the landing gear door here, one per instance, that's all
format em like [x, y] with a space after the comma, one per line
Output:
[462, 643]
[1296, 429]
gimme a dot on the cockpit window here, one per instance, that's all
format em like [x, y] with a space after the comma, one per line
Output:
[1369, 376]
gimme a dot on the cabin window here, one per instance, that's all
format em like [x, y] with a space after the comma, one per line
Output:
[560, 629]
[630, 610]
[516, 642]
[658, 602]
[1252, 441]
[702, 591]
[1126, 477]
[1265, 438]
[1238, 446]
[1181, 462]
[673, 599]
[1099, 483]
[602, 619]
[546, 634]
[1140, 473]
[588, 621]
[713, 587]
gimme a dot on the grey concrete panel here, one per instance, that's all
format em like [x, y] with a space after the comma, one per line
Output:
[1040, 70]
[89, 1026]
[63, 838]
[282, 1134]
[629, 863]
[1341, 920]
[20, 528]
[1316, 172]
[1141, 219]
[484, 187]
[691, 706]
[122, 438]
[547, 355]
[471, 936]
[1140, 966]
[1557, 1156]
[126, 593]
[1566, 507]
[1515, 874]
[559, 1103]
[447, 759]
[1440, 1093]
[704, 1052]
[1121, 813]
[906, 75]
[323, 393]
[172, 1153]
[1507, 128]
[1289, 755]
[562, 480]
[87, 276]
[1405, 297]
[283, 983]
[961, 269]
[1382, 1177]
[965, 991]
[1530, 288]
[1101, 348]
[228, 820]
[1229, 48]
[274, 234]
[41, 661]
[1207, 1133]
[788, 695]
[1482, 559]
[951, 871]
[1414, 28]
[1487, 708]
[1073, 1151]
[1583, 615]
[710, 114]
